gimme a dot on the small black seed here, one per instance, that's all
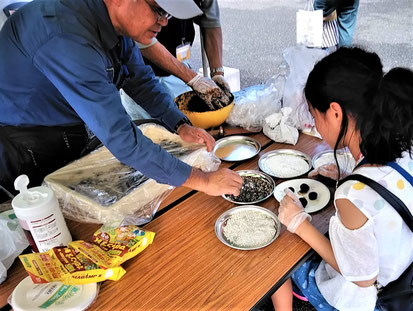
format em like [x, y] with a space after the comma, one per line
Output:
[312, 195]
[253, 189]
[304, 188]
[303, 201]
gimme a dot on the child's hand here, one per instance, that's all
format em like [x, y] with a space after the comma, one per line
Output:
[327, 170]
[291, 212]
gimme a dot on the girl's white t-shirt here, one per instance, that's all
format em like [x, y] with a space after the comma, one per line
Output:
[383, 246]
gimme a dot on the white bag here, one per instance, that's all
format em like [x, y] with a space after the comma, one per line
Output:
[278, 127]
[310, 26]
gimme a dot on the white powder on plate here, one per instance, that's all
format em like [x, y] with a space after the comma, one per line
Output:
[286, 165]
[249, 229]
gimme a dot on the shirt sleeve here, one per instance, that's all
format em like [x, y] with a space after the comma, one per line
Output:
[211, 16]
[356, 251]
[79, 71]
[146, 90]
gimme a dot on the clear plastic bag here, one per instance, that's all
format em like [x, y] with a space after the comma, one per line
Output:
[12, 235]
[301, 61]
[99, 189]
[254, 104]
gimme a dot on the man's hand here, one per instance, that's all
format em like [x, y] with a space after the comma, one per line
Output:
[223, 84]
[208, 91]
[192, 134]
[222, 181]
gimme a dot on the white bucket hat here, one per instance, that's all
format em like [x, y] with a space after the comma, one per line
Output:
[182, 9]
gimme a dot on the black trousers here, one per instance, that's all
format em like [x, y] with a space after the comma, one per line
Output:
[37, 151]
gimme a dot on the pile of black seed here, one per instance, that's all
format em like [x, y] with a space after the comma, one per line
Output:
[253, 189]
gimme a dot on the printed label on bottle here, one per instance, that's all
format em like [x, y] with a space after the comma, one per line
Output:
[45, 232]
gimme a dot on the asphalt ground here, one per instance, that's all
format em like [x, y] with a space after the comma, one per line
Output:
[255, 34]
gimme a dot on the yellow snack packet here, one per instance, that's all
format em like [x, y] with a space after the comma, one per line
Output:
[94, 253]
[68, 266]
[122, 243]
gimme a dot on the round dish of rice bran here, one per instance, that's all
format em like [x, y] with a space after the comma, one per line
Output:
[247, 227]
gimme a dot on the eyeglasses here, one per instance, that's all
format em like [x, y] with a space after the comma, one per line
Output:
[159, 12]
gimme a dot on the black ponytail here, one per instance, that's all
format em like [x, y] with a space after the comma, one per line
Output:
[381, 106]
[389, 130]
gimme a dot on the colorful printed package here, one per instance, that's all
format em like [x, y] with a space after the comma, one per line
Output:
[83, 262]
[68, 266]
[122, 243]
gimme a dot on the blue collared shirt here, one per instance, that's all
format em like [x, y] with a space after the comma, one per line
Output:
[62, 63]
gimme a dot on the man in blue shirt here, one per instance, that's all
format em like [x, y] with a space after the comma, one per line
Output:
[62, 63]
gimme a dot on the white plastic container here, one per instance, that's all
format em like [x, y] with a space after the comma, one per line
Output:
[231, 75]
[52, 296]
[40, 216]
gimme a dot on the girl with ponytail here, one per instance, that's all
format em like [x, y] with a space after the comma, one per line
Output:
[355, 105]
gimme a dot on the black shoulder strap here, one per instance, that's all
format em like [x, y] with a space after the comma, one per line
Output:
[393, 200]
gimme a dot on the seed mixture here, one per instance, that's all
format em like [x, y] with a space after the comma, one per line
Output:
[313, 195]
[286, 165]
[303, 201]
[249, 228]
[253, 189]
[304, 189]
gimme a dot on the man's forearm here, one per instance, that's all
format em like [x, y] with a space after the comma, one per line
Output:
[197, 180]
[159, 55]
[213, 46]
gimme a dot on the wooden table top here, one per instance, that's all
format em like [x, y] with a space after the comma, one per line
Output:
[187, 267]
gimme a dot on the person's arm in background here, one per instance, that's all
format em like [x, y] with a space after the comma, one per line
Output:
[213, 47]
[159, 55]
[210, 25]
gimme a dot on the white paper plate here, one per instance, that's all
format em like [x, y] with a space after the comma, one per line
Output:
[52, 296]
[323, 193]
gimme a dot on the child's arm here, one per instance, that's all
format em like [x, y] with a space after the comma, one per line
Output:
[352, 218]
[318, 242]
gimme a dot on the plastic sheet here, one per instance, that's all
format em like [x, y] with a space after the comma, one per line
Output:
[301, 61]
[99, 189]
[254, 104]
[12, 235]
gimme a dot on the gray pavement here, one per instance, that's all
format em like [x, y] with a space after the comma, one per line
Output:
[257, 31]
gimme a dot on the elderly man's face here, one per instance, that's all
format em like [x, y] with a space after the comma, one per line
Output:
[139, 19]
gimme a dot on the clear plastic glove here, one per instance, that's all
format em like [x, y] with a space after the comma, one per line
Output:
[291, 212]
[208, 91]
[192, 134]
[223, 84]
[328, 170]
